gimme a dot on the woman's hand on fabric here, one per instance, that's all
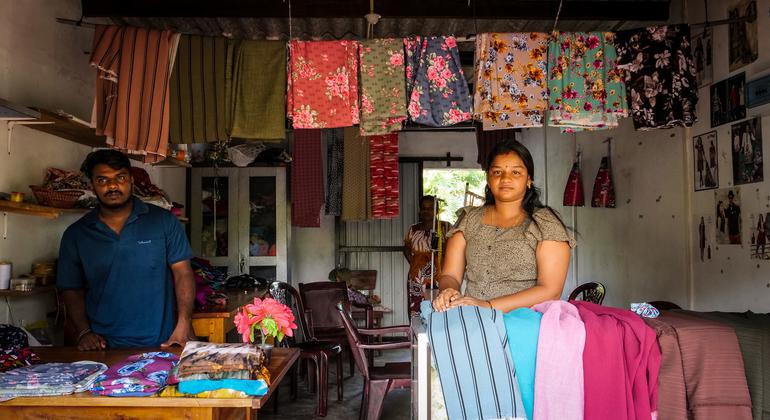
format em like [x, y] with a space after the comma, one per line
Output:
[443, 301]
[469, 301]
[91, 341]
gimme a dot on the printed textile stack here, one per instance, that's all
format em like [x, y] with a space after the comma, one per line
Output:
[49, 379]
[212, 370]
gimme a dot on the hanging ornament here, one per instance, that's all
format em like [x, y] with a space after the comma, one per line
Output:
[604, 190]
[573, 191]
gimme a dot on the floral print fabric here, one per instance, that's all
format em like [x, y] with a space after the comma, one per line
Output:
[139, 375]
[660, 76]
[323, 84]
[586, 86]
[510, 89]
[383, 97]
[437, 91]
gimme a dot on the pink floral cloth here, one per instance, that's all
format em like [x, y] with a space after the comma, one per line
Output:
[438, 92]
[323, 84]
[383, 93]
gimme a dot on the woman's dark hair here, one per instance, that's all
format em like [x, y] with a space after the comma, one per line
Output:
[531, 202]
[112, 158]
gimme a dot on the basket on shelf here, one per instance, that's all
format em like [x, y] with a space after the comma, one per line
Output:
[65, 199]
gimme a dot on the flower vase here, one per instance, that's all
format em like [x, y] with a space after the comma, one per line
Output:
[267, 350]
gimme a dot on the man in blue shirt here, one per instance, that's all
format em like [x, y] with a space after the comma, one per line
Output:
[122, 266]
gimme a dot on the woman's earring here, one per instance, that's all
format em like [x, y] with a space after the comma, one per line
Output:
[529, 184]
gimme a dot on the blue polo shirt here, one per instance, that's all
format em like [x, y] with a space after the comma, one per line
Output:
[127, 278]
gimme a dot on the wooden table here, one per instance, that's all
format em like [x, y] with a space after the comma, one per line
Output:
[84, 406]
[216, 324]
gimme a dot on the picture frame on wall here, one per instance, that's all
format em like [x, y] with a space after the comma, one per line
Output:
[746, 147]
[758, 92]
[743, 37]
[727, 203]
[728, 100]
[705, 161]
[701, 45]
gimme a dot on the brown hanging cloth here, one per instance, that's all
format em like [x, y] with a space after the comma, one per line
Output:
[604, 189]
[573, 191]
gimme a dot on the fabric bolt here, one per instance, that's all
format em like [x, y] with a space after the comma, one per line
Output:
[470, 351]
[140, 375]
[356, 203]
[11, 358]
[334, 170]
[307, 186]
[262, 374]
[586, 86]
[132, 88]
[198, 92]
[437, 92]
[559, 366]
[501, 261]
[49, 379]
[383, 172]
[323, 84]
[247, 386]
[621, 362]
[210, 358]
[172, 391]
[255, 75]
[510, 89]
[383, 93]
[660, 76]
[487, 140]
[523, 328]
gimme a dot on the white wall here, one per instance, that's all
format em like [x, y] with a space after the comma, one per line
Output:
[730, 281]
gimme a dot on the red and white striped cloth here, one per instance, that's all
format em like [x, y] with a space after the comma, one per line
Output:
[383, 164]
[307, 183]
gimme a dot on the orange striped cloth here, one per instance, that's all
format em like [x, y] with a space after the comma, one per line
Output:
[383, 172]
[131, 106]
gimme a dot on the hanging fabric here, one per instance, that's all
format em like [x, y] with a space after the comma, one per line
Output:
[487, 140]
[510, 89]
[660, 76]
[604, 189]
[334, 170]
[573, 191]
[255, 76]
[356, 198]
[307, 188]
[435, 84]
[132, 88]
[383, 170]
[586, 88]
[198, 90]
[323, 84]
[383, 97]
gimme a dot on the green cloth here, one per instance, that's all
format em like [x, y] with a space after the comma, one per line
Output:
[198, 93]
[383, 91]
[256, 86]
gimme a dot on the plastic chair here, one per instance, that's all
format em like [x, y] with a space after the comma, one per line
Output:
[378, 380]
[310, 349]
[589, 292]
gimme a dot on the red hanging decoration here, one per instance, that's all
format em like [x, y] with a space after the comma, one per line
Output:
[573, 191]
[604, 190]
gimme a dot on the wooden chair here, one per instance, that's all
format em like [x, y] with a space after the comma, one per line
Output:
[589, 292]
[319, 352]
[379, 380]
[320, 299]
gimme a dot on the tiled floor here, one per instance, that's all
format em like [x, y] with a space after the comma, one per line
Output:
[397, 404]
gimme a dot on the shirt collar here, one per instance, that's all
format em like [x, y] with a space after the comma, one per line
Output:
[139, 208]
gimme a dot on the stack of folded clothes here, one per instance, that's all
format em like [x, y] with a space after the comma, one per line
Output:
[211, 370]
[141, 375]
[49, 379]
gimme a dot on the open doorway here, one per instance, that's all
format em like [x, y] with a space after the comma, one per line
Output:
[450, 186]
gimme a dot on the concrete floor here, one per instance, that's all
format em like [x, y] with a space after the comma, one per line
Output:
[397, 404]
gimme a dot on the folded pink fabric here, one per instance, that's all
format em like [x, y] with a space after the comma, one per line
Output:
[621, 361]
[559, 365]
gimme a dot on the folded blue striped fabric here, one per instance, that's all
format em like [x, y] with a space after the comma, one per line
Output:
[470, 350]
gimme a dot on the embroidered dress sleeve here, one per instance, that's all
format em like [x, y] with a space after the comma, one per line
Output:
[461, 225]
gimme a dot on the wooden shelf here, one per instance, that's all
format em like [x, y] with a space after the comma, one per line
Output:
[36, 210]
[37, 290]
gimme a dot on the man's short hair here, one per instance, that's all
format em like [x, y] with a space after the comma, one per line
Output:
[112, 158]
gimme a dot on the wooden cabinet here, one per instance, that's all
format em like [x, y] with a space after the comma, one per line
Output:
[239, 220]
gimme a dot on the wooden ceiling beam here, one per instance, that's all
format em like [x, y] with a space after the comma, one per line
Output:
[640, 10]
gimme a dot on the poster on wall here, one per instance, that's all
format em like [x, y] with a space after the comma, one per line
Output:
[743, 34]
[759, 250]
[728, 100]
[746, 139]
[704, 239]
[728, 216]
[702, 54]
[705, 159]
